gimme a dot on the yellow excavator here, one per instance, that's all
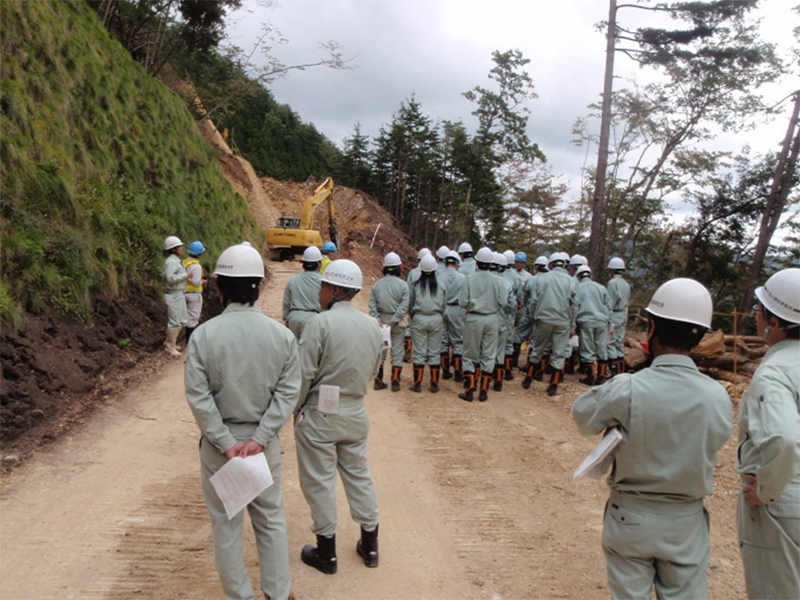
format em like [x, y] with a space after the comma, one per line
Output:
[293, 235]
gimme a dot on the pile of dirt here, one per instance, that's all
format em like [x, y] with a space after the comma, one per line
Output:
[367, 231]
[53, 363]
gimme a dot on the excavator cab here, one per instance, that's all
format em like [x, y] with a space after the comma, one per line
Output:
[294, 234]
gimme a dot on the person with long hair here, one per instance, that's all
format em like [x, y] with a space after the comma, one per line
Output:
[426, 301]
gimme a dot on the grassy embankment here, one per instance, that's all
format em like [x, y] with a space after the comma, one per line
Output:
[99, 162]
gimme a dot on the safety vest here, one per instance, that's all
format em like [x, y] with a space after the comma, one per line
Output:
[324, 263]
[190, 287]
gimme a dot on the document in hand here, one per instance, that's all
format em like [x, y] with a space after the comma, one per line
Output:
[240, 480]
[600, 458]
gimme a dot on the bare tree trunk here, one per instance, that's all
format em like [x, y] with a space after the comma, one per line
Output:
[779, 192]
[595, 237]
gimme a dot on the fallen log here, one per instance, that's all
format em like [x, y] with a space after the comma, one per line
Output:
[723, 375]
[727, 362]
[747, 339]
[711, 344]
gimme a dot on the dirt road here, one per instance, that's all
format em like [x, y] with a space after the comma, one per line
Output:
[476, 501]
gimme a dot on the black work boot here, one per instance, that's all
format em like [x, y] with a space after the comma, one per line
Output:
[556, 378]
[396, 371]
[419, 371]
[499, 372]
[469, 387]
[323, 557]
[434, 379]
[602, 374]
[486, 379]
[509, 366]
[591, 375]
[569, 366]
[367, 547]
[379, 383]
[541, 368]
[526, 383]
[445, 365]
[458, 373]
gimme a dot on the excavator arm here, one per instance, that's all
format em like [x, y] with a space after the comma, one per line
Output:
[323, 192]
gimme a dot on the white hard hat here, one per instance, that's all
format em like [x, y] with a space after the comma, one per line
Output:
[464, 247]
[442, 252]
[422, 253]
[500, 259]
[240, 261]
[583, 269]
[562, 257]
[541, 261]
[312, 254]
[171, 242]
[453, 254]
[510, 256]
[577, 260]
[392, 260]
[684, 300]
[427, 263]
[344, 273]
[780, 295]
[484, 255]
[616, 263]
[246, 243]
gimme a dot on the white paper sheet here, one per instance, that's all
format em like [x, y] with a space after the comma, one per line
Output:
[386, 335]
[599, 460]
[240, 480]
[328, 400]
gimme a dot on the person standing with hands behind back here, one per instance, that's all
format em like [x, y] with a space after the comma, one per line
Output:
[673, 420]
[340, 352]
[768, 514]
[242, 379]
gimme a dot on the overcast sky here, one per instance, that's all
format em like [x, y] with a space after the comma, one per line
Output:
[437, 49]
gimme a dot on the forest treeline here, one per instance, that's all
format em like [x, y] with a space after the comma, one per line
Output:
[490, 183]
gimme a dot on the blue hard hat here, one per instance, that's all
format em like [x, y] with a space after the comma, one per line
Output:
[520, 257]
[329, 247]
[196, 248]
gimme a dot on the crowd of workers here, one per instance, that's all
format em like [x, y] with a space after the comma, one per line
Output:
[469, 317]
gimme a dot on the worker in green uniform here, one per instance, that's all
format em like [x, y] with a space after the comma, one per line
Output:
[454, 315]
[673, 420]
[301, 294]
[515, 314]
[482, 298]
[525, 328]
[467, 266]
[388, 303]
[553, 307]
[498, 268]
[441, 254]
[413, 274]
[619, 291]
[768, 460]
[340, 352]
[594, 313]
[426, 302]
[242, 378]
[174, 293]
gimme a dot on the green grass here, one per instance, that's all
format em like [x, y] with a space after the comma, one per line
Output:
[99, 163]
